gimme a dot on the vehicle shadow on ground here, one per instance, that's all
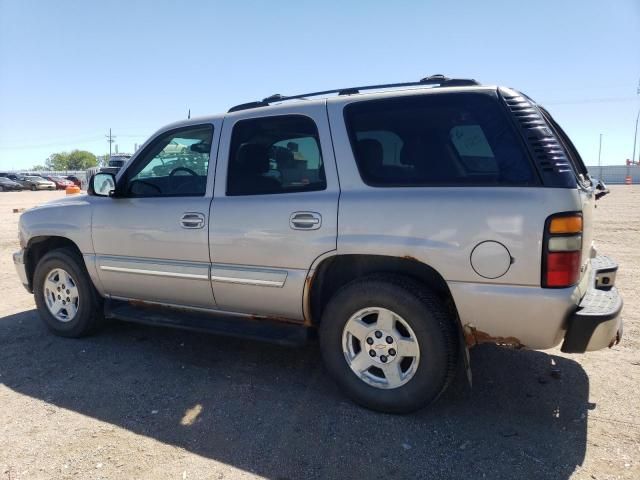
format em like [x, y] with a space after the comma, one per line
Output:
[273, 411]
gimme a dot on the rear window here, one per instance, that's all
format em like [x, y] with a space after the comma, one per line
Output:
[444, 139]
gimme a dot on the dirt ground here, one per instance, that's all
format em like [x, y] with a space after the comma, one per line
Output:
[142, 402]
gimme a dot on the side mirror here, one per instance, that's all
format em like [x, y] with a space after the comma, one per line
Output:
[102, 184]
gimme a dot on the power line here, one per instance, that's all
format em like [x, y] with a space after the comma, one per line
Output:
[590, 100]
[64, 141]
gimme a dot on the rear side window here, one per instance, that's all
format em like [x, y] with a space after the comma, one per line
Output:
[443, 139]
[273, 155]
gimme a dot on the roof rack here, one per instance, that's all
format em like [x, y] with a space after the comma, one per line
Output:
[439, 80]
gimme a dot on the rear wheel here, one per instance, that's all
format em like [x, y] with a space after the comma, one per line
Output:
[389, 342]
[66, 299]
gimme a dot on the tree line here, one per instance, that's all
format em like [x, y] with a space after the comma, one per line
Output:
[74, 160]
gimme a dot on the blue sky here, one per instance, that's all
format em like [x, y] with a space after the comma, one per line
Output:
[69, 70]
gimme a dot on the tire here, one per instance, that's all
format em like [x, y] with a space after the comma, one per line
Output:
[33, 188]
[416, 311]
[1, 188]
[88, 315]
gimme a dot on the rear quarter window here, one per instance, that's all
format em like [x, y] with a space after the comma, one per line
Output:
[437, 140]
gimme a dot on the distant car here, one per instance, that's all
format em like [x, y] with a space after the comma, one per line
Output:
[35, 182]
[75, 180]
[60, 182]
[8, 185]
[118, 160]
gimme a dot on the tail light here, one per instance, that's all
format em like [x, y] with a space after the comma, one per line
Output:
[562, 250]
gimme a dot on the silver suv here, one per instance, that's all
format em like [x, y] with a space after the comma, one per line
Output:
[404, 223]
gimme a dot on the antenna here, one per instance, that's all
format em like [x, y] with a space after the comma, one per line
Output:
[189, 115]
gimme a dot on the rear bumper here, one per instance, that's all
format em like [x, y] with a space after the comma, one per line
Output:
[596, 323]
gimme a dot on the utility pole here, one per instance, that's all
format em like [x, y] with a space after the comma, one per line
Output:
[599, 155]
[635, 134]
[110, 140]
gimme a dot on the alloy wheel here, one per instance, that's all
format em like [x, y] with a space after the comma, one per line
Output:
[380, 348]
[61, 295]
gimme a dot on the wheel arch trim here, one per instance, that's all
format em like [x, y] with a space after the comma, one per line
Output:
[39, 245]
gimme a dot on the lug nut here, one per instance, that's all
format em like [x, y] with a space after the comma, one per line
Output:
[378, 334]
[63, 302]
[392, 352]
[370, 341]
[67, 292]
[68, 299]
[389, 339]
[63, 287]
[383, 358]
[59, 297]
[58, 288]
[372, 353]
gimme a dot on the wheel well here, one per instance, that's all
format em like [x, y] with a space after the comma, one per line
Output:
[39, 246]
[335, 272]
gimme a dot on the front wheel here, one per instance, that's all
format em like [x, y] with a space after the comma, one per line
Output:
[33, 188]
[389, 342]
[67, 301]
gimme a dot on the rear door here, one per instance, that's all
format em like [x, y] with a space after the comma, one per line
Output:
[274, 210]
[151, 240]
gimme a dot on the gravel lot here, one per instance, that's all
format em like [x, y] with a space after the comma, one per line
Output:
[142, 402]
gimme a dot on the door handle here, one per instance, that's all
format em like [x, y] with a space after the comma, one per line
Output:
[192, 220]
[305, 220]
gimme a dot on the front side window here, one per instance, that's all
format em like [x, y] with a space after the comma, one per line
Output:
[274, 155]
[436, 139]
[176, 164]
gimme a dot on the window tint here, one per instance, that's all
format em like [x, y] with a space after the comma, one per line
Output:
[274, 155]
[443, 139]
[176, 164]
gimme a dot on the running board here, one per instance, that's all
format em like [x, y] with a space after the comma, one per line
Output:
[241, 326]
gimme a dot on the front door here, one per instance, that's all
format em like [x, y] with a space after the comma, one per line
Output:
[151, 239]
[274, 210]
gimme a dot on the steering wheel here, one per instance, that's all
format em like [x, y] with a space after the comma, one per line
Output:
[182, 169]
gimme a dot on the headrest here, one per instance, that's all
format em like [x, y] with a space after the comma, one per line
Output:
[283, 156]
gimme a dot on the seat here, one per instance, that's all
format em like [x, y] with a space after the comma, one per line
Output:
[431, 159]
[370, 157]
[246, 173]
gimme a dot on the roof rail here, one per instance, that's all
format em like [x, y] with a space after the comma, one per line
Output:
[439, 80]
